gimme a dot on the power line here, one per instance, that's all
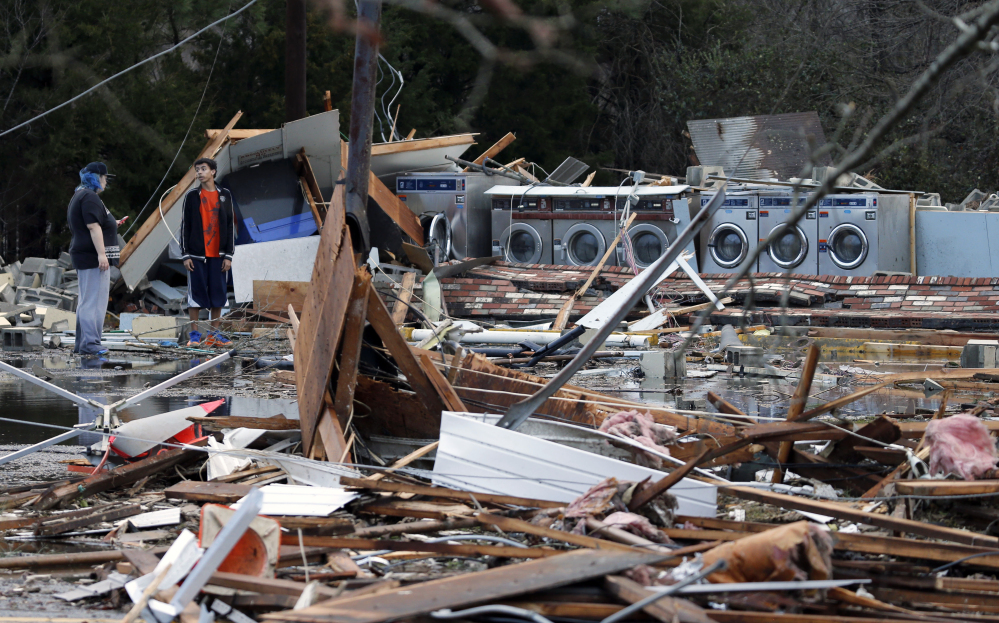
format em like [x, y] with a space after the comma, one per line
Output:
[125, 71]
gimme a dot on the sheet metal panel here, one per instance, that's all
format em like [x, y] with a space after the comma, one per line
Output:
[954, 244]
[758, 147]
[477, 456]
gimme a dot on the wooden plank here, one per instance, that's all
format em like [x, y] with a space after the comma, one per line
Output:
[416, 508]
[278, 296]
[316, 526]
[667, 609]
[236, 135]
[563, 314]
[946, 487]
[380, 319]
[737, 616]
[394, 412]
[116, 478]
[266, 586]
[313, 207]
[797, 406]
[841, 511]
[278, 422]
[650, 491]
[473, 588]
[510, 524]
[396, 210]
[315, 194]
[322, 318]
[495, 149]
[214, 492]
[177, 193]
[80, 559]
[350, 350]
[500, 551]
[443, 492]
[383, 149]
[67, 522]
[406, 460]
[401, 306]
[450, 399]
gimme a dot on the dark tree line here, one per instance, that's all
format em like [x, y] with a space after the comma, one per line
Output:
[612, 82]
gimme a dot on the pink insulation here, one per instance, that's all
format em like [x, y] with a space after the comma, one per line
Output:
[960, 445]
[642, 428]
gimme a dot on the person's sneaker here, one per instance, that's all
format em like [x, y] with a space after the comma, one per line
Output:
[217, 340]
[194, 338]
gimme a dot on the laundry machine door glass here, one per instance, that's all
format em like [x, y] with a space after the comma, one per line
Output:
[585, 244]
[790, 248]
[729, 245]
[649, 243]
[523, 244]
[847, 246]
[437, 231]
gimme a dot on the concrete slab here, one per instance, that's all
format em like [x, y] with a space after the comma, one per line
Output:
[279, 260]
[65, 320]
[148, 327]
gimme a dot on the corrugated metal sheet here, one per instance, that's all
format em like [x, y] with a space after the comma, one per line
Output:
[760, 147]
[476, 456]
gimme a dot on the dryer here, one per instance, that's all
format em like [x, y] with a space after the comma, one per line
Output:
[848, 234]
[730, 234]
[521, 225]
[797, 250]
[659, 219]
[582, 227]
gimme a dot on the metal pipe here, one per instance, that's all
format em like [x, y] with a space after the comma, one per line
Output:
[183, 376]
[636, 289]
[362, 112]
[55, 389]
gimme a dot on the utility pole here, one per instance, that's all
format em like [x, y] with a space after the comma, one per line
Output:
[362, 112]
[294, 60]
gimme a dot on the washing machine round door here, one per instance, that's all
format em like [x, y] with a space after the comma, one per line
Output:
[728, 245]
[847, 245]
[648, 243]
[522, 244]
[584, 245]
[437, 232]
[790, 248]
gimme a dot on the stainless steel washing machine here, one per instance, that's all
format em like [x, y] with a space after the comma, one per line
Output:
[848, 234]
[582, 226]
[521, 225]
[660, 216]
[797, 250]
[731, 233]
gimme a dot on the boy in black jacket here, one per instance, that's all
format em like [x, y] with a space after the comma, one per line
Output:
[207, 242]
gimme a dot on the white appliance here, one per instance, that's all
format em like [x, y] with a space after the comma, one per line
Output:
[797, 250]
[521, 226]
[730, 234]
[659, 219]
[848, 234]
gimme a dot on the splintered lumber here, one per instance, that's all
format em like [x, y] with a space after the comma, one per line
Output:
[451, 400]
[406, 460]
[68, 522]
[214, 143]
[215, 492]
[323, 312]
[381, 321]
[394, 412]
[236, 135]
[510, 524]
[266, 586]
[417, 527]
[442, 492]
[116, 478]
[471, 588]
[798, 400]
[667, 609]
[81, 559]
[383, 149]
[419, 509]
[317, 526]
[350, 350]
[650, 491]
[946, 487]
[218, 423]
[495, 149]
[277, 296]
[500, 551]
[841, 511]
[313, 194]
[395, 209]
[401, 306]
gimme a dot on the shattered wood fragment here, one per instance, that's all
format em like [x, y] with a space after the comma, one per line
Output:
[649, 491]
[416, 527]
[443, 492]
[78, 560]
[69, 522]
[414, 508]
[316, 526]
[350, 349]
[883, 429]
[401, 305]
[495, 149]
[118, 477]
[444, 389]
[798, 401]
[267, 586]
[462, 549]
[394, 208]
[213, 492]
[471, 588]
[379, 318]
[406, 460]
[219, 423]
[394, 412]
[667, 609]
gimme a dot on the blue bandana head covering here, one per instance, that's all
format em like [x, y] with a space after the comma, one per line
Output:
[89, 180]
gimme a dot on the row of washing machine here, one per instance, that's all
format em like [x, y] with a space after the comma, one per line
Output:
[839, 236]
[574, 225]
